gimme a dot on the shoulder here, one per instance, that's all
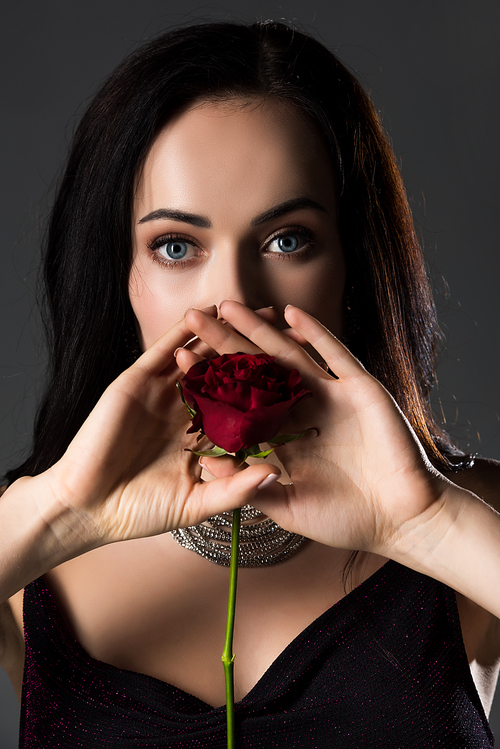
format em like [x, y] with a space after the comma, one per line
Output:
[482, 479]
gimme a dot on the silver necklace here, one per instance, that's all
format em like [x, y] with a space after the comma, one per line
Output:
[262, 541]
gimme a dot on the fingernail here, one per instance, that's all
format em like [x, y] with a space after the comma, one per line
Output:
[210, 307]
[177, 350]
[268, 480]
[200, 462]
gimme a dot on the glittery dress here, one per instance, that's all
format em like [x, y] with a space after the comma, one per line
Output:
[385, 667]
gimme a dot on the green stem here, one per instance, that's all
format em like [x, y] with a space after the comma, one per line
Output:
[227, 655]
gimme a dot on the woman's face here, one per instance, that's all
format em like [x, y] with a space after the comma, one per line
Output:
[236, 201]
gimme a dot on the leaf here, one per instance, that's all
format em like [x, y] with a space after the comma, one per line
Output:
[215, 452]
[264, 453]
[253, 452]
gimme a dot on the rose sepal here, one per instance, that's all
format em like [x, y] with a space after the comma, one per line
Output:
[243, 454]
[248, 452]
[190, 409]
[254, 452]
[215, 452]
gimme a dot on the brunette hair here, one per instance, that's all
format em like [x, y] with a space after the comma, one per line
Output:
[89, 243]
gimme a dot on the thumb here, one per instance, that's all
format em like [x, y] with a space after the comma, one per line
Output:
[237, 485]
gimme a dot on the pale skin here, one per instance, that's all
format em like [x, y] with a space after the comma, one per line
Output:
[361, 482]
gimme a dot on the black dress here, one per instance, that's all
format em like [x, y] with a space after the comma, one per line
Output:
[385, 667]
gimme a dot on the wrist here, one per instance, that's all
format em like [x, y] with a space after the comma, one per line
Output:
[39, 532]
[456, 541]
[420, 537]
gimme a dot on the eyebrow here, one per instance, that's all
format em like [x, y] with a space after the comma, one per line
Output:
[186, 218]
[288, 206]
[202, 222]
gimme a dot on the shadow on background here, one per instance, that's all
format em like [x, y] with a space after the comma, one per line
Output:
[9, 714]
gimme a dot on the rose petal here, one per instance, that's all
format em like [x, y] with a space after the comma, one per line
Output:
[241, 400]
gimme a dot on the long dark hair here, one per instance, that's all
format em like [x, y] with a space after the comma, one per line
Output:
[88, 247]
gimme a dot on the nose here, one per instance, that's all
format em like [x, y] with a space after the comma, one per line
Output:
[234, 273]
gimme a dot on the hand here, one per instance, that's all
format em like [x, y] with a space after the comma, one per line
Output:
[128, 471]
[364, 478]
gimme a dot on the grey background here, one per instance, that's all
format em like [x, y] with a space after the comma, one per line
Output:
[432, 69]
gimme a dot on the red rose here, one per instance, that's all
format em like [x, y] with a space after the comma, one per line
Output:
[241, 400]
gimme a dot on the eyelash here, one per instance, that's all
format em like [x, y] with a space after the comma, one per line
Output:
[298, 231]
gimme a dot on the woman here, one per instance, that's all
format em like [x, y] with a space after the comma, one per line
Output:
[226, 162]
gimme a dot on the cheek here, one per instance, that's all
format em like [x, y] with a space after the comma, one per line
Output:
[156, 308]
[327, 302]
[319, 290]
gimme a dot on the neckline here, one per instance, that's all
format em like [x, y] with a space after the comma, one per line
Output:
[333, 612]
[259, 692]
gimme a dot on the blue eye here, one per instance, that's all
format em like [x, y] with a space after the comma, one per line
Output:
[291, 242]
[175, 249]
[288, 243]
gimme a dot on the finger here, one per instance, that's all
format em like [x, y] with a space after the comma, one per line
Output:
[158, 356]
[222, 338]
[227, 465]
[295, 336]
[186, 359]
[298, 338]
[268, 313]
[198, 350]
[161, 353]
[335, 354]
[269, 339]
[237, 490]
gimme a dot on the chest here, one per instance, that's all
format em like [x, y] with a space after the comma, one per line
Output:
[158, 609]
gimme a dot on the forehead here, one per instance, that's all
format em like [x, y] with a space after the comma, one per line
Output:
[245, 154]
